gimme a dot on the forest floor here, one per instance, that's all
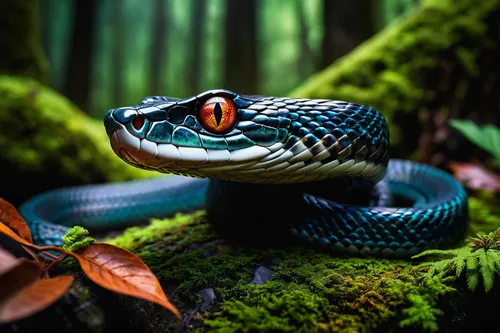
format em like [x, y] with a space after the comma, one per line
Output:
[222, 286]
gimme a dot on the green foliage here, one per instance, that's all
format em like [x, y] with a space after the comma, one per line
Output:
[76, 238]
[479, 260]
[421, 312]
[486, 137]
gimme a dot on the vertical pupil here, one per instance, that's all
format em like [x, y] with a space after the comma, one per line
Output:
[217, 113]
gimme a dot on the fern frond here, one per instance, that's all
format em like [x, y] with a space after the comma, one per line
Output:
[480, 260]
[459, 266]
[486, 268]
[452, 252]
[495, 257]
[472, 273]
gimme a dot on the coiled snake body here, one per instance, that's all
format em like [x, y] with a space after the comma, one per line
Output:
[317, 169]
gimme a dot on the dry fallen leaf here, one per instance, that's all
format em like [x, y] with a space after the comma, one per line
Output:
[476, 177]
[34, 298]
[22, 293]
[8, 232]
[11, 218]
[123, 272]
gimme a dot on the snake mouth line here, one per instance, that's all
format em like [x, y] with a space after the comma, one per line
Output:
[256, 164]
[160, 155]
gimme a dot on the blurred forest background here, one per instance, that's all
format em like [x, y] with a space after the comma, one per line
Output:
[108, 53]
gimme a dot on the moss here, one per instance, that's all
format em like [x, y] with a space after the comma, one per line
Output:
[21, 49]
[309, 291]
[404, 68]
[46, 141]
[192, 227]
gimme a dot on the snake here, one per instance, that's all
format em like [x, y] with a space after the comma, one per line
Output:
[317, 172]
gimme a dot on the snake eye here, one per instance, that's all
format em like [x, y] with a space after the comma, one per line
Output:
[138, 122]
[217, 115]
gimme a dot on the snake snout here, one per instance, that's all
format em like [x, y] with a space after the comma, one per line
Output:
[110, 123]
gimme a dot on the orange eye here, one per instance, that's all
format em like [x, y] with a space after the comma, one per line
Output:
[217, 115]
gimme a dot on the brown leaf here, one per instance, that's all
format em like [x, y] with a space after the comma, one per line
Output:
[8, 232]
[22, 293]
[33, 298]
[476, 177]
[7, 261]
[11, 218]
[15, 273]
[123, 272]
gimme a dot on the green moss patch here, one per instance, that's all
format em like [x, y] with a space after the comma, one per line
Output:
[46, 141]
[309, 291]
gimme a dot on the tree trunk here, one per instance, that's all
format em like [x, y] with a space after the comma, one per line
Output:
[157, 53]
[346, 25]
[46, 24]
[306, 57]
[240, 55]
[78, 72]
[20, 43]
[117, 67]
[195, 68]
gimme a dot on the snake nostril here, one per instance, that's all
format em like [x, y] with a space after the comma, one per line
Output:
[138, 122]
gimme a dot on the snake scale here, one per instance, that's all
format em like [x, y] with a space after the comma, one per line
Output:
[316, 170]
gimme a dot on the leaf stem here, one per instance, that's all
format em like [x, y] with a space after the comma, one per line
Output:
[56, 261]
[50, 255]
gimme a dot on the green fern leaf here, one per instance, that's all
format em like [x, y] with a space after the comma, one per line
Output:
[459, 267]
[495, 257]
[472, 273]
[486, 268]
[452, 252]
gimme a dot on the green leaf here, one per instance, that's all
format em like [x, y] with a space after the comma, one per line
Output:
[492, 133]
[486, 137]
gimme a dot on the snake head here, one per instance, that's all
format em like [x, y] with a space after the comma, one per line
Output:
[212, 134]
[221, 134]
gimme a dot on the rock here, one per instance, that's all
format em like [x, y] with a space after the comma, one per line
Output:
[261, 275]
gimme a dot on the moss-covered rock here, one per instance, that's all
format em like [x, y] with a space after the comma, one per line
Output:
[436, 60]
[46, 142]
